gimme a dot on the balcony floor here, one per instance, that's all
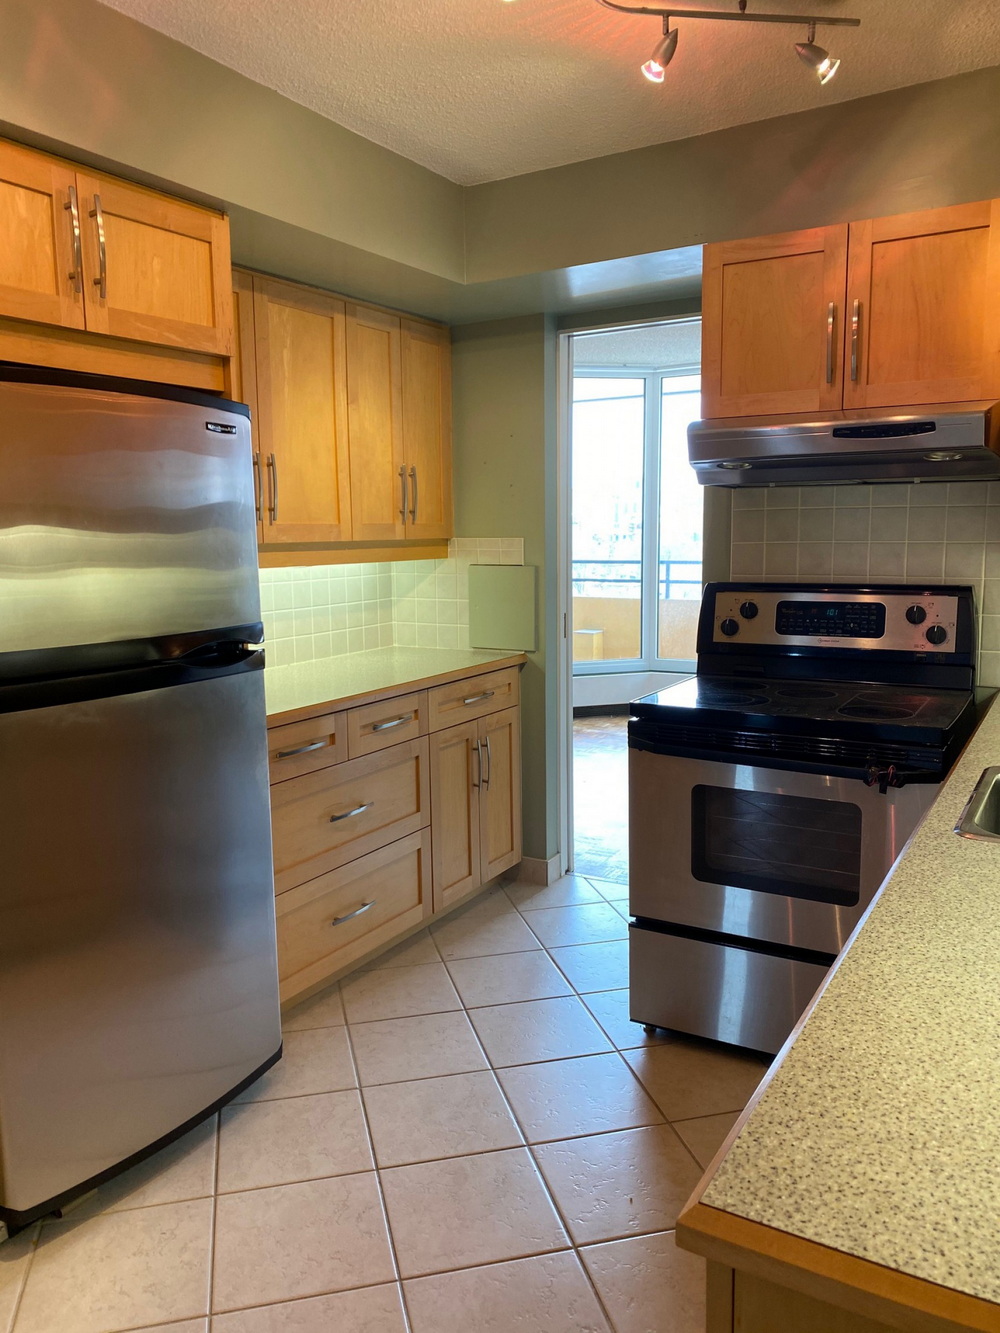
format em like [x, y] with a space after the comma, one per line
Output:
[600, 797]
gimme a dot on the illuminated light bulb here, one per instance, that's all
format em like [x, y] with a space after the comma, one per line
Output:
[653, 71]
[662, 55]
[822, 64]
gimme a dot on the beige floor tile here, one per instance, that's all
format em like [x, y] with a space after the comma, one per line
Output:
[185, 1170]
[649, 1285]
[507, 977]
[521, 1034]
[14, 1260]
[561, 893]
[296, 1138]
[615, 1185]
[469, 1210]
[687, 1079]
[370, 1310]
[547, 1294]
[439, 1117]
[399, 992]
[583, 923]
[325, 1010]
[120, 1270]
[186, 1326]
[428, 1046]
[610, 1008]
[299, 1240]
[567, 1098]
[594, 967]
[318, 1060]
[705, 1135]
[476, 934]
[611, 890]
[419, 948]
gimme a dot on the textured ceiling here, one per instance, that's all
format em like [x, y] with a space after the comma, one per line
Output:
[479, 90]
[672, 343]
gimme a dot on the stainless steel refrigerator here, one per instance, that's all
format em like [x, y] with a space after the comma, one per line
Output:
[138, 977]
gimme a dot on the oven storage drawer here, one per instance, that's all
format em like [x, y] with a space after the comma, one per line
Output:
[723, 992]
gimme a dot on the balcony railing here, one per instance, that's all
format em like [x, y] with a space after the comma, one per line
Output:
[615, 578]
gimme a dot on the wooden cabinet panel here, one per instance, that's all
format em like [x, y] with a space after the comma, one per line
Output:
[473, 697]
[923, 289]
[41, 276]
[324, 819]
[242, 377]
[325, 925]
[305, 747]
[302, 413]
[377, 726]
[772, 334]
[500, 793]
[426, 370]
[374, 413]
[760, 1306]
[455, 784]
[163, 272]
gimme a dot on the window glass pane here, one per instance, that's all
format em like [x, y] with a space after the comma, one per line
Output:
[608, 426]
[681, 511]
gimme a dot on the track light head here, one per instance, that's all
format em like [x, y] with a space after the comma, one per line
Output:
[662, 55]
[823, 65]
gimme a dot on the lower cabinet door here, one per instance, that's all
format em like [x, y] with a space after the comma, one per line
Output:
[456, 773]
[500, 792]
[324, 925]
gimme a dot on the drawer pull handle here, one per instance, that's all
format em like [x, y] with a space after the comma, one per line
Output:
[348, 814]
[301, 749]
[478, 698]
[393, 722]
[339, 920]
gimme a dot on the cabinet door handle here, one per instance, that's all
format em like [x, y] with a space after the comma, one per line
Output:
[402, 496]
[489, 765]
[349, 814]
[831, 322]
[101, 282]
[339, 920]
[478, 698]
[301, 749]
[479, 772]
[258, 487]
[272, 475]
[73, 207]
[393, 722]
[415, 501]
[855, 337]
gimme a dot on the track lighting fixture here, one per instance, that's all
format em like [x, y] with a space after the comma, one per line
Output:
[662, 55]
[818, 60]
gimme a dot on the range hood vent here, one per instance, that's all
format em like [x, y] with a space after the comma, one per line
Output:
[954, 442]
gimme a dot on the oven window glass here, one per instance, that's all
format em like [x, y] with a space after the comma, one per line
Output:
[792, 845]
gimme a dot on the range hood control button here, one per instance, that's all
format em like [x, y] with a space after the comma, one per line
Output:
[916, 615]
[936, 634]
[748, 610]
[730, 627]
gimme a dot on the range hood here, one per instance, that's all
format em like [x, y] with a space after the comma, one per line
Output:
[953, 442]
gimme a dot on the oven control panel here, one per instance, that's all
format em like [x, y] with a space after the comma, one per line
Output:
[914, 621]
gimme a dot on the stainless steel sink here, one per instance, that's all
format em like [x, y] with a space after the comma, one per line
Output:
[981, 816]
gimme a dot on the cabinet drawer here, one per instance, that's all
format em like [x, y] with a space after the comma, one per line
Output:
[448, 705]
[330, 921]
[377, 726]
[304, 747]
[322, 820]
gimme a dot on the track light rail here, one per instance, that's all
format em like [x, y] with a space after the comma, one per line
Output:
[796, 20]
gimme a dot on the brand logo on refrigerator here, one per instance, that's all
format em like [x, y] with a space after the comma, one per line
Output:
[220, 428]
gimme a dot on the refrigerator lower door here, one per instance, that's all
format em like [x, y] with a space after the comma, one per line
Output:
[138, 976]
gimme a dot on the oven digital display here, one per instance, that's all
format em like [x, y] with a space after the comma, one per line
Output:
[836, 620]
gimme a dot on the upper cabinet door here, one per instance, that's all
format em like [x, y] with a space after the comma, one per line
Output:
[924, 308]
[772, 331]
[379, 484]
[157, 269]
[426, 360]
[41, 274]
[301, 429]
[242, 377]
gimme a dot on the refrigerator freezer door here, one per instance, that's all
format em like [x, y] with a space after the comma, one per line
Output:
[121, 517]
[138, 976]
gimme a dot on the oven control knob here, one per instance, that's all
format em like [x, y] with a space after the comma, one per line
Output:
[936, 634]
[748, 610]
[730, 627]
[916, 615]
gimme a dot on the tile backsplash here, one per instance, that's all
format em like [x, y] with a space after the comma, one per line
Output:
[934, 532]
[319, 611]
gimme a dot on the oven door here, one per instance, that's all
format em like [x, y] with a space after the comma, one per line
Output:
[761, 853]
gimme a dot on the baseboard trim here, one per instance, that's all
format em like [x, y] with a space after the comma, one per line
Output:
[536, 870]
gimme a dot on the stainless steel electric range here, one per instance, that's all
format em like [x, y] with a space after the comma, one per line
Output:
[771, 794]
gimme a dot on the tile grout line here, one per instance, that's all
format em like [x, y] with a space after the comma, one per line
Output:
[15, 1313]
[215, 1216]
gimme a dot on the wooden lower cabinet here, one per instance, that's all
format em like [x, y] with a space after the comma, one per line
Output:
[740, 1302]
[500, 793]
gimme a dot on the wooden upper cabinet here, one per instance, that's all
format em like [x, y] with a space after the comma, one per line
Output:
[923, 290]
[379, 484]
[426, 368]
[500, 792]
[301, 425]
[157, 269]
[241, 383]
[41, 275]
[773, 323]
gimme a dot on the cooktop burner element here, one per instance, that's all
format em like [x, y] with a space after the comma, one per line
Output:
[875, 711]
[720, 694]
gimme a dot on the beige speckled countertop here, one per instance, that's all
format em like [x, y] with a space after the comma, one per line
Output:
[304, 687]
[879, 1133]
